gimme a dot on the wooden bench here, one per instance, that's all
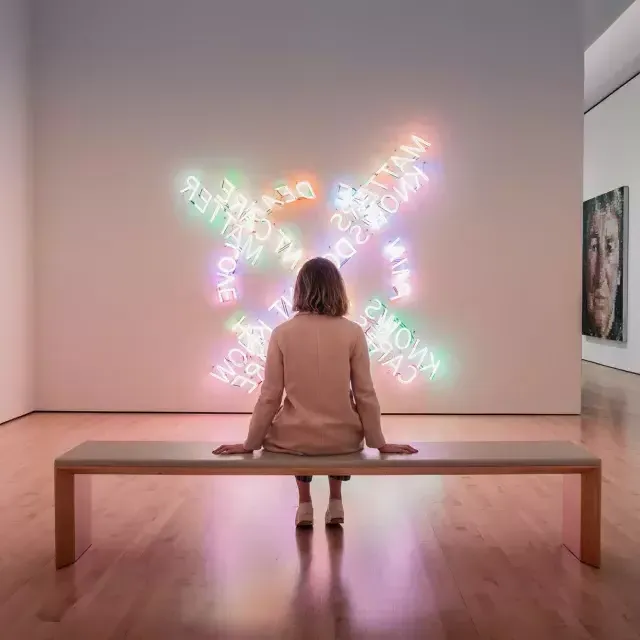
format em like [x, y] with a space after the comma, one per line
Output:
[581, 470]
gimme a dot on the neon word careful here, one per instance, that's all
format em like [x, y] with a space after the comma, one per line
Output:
[393, 345]
[396, 254]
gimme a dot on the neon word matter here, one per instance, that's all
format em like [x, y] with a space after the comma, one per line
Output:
[362, 212]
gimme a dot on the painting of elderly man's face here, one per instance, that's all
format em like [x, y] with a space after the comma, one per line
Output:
[604, 262]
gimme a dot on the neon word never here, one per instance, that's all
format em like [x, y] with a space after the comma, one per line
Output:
[396, 255]
[393, 341]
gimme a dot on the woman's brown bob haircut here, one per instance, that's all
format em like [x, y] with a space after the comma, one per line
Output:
[320, 289]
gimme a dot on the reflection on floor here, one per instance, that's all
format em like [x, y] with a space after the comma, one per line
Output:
[456, 557]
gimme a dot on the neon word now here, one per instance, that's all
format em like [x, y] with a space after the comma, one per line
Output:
[391, 342]
[396, 255]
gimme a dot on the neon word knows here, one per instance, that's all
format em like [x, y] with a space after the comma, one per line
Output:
[389, 337]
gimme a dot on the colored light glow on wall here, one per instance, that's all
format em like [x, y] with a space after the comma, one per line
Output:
[359, 214]
[396, 254]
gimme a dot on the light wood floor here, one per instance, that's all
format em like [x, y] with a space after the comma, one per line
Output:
[184, 558]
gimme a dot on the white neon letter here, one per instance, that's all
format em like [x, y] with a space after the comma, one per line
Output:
[376, 305]
[394, 363]
[434, 365]
[408, 340]
[231, 269]
[192, 185]
[385, 169]
[421, 146]
[395, 204]
[222, 370]
[243, 357]
[285, 192]
[227, 189]
[205, 197]
[418, 354]
[341, 250]
[305, 190]
[240, 381]
[411, 379]
[270, 203]
[288, 254]
[267, 234]
[255, 369]
[401, 161]
[338, 216]
[231, 294]
[251, 256]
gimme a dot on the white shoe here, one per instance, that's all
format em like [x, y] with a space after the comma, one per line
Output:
[304, 515]
[335, 513]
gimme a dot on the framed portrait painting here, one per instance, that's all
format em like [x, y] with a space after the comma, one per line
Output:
[604, 265]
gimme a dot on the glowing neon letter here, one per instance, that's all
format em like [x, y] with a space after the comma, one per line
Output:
[421, 146]
[222, 371]
[232, 294]
[288, 254]
[434, 365]
[341, 249]
[192, 185]
[376, 305]
[231, 269]
[251, 256]
[267, 234]
[408, 340]
[389, 209]
[240, 381]
[394, 363]
[305, 190]
[411, 379]
[418, 354]
[285, 192]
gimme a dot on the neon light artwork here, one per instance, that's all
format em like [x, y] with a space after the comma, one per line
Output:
[396, 255]
[247, 229]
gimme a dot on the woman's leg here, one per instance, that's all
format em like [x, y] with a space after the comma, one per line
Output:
[335, 511]
[335, 488]
[304, 488]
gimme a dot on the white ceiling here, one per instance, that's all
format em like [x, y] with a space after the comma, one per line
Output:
[615, 56]
[599, 15]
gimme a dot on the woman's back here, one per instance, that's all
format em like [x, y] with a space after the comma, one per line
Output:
[321, 363]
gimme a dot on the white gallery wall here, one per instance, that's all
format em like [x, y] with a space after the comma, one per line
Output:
[611, 160]
[131, 97]
[16, 272]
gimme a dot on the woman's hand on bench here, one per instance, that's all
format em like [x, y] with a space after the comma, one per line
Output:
[398, 448]
[230, 449]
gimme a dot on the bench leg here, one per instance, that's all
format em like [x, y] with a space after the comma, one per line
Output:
[72, 515]
[581, 515]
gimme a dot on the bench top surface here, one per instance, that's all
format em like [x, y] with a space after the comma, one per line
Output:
[170, 454]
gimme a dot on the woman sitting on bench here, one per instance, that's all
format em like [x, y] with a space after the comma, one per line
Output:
[320, 360]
